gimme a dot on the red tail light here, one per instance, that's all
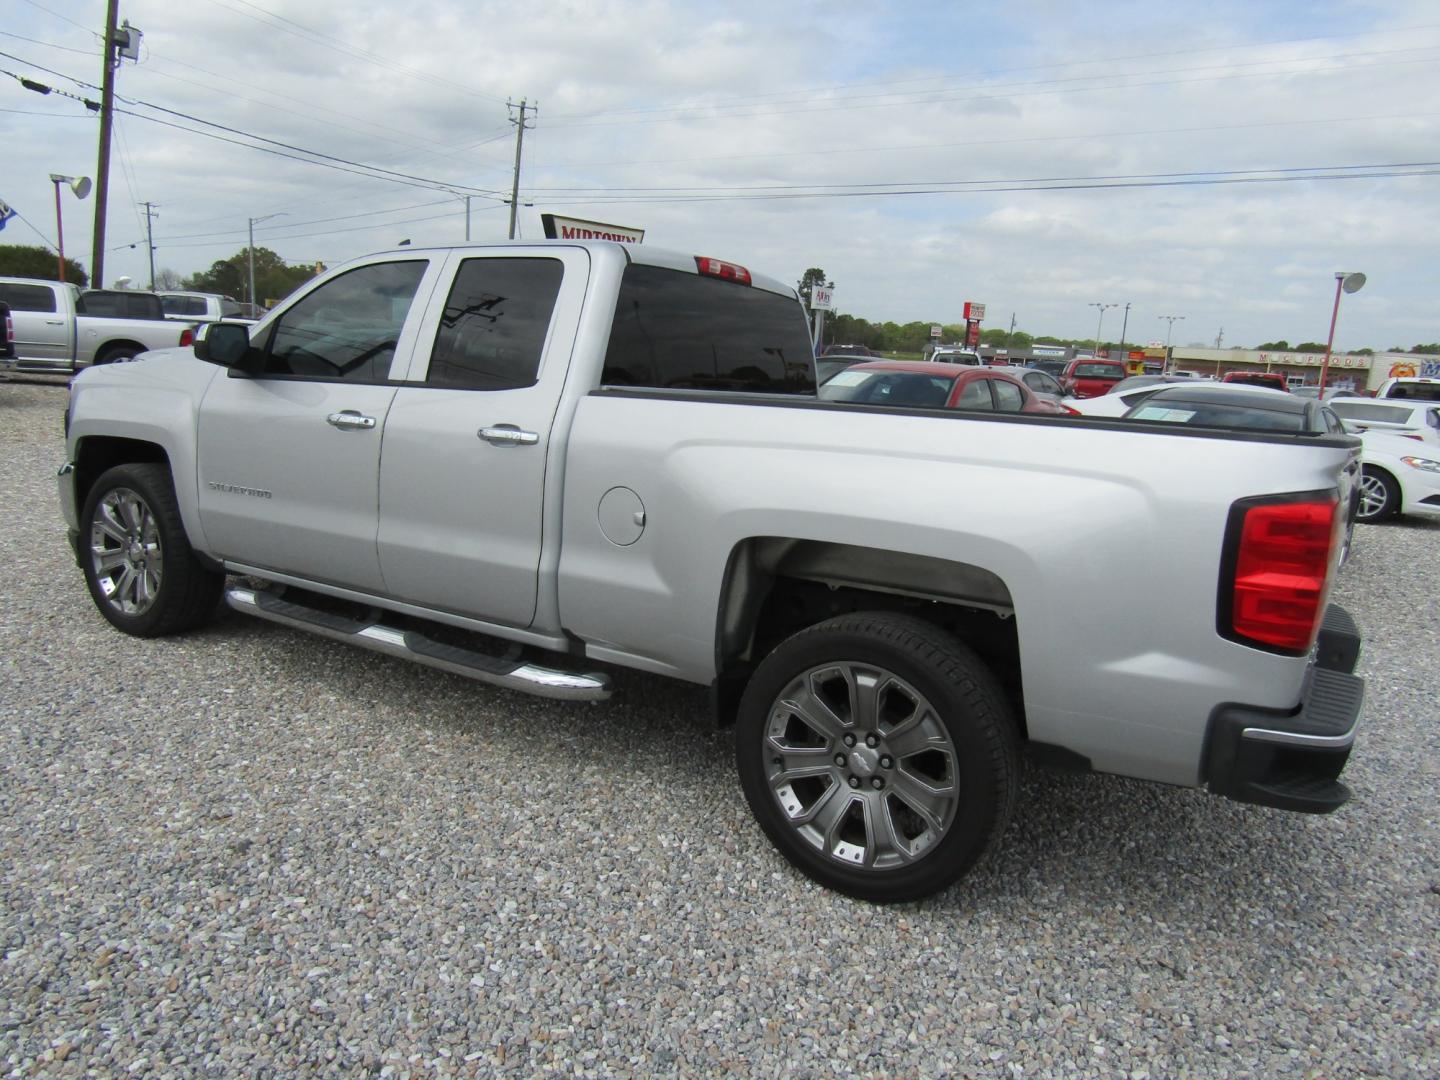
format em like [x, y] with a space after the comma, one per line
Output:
[187, 337]
[1071, 412]
[725, 270]
[9, 330]
[1273, 591]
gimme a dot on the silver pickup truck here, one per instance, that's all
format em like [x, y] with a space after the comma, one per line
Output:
[54, 335]
[520, 463]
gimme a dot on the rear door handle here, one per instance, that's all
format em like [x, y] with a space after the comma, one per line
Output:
[350, 420]
[54, 322]
[508, 435]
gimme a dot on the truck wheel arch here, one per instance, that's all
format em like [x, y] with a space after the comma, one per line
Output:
[775, 586]
[96, 453]
[112, 351]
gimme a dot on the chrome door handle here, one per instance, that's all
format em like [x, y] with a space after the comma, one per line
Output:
[508, 435]
[350, 420]
[54, 322]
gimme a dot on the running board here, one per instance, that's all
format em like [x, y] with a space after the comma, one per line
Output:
[410, 645]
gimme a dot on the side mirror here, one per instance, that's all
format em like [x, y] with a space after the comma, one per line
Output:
[222, 343]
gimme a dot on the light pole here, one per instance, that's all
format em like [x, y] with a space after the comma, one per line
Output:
[1100, 322]
[81, 186]
[1348, 282]
[251, 250]
[1170, 321]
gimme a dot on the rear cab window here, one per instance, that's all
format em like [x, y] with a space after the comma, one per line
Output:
[27, 297]
[681, 331]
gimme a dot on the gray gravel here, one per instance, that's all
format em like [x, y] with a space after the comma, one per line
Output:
[249, 852]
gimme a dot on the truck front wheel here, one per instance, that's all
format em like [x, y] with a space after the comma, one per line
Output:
[141, 571]
[879, 755]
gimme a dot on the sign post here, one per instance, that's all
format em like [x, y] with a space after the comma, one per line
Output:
[974, 314]
[822, 299]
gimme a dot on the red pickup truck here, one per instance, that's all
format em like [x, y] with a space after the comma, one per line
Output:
[1272, 379]
[1087, 377]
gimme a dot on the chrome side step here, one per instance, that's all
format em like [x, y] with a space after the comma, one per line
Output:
[414, 646]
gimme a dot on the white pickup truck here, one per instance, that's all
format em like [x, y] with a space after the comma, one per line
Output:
[54, 335]
[521, 462]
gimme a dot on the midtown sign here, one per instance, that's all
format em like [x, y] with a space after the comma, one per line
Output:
[563, 228]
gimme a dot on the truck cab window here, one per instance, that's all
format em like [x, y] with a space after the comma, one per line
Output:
[347, 328]
[494, 325]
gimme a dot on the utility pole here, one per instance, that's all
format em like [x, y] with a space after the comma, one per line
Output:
[467, 218]
[1123, 327]
[519, 141]
[1010, 333]
[1219, 337]
[150, 215]
[102, 167]
[251, 250]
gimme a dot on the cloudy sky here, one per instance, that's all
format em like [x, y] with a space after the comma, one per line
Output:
[1217, 162]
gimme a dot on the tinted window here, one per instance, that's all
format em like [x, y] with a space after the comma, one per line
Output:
[494, 325]
[1376, 414]
[28, 297]
[901, 388]
[976, 395]
[685, 331]
[229, 309]
[1098, 371]
[1042, 383]
[1419, 391]
[120, 305]
[183, 305]
[347, 328]
[1008, 396]
[1223, 416]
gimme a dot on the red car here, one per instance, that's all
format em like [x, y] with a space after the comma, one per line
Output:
[1085, 376]
[927, 385]
[1273, 379]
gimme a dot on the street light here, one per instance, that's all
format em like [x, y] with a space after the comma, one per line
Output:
[1100, 322]
[1170, 321]
[1348, 282]
[251, 249]
[80, 185]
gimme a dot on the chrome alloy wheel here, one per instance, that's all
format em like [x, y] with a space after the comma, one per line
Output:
[125, 551]
[1373, 496]
[861, 766]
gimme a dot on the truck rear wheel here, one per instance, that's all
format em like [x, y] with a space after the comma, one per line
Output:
[139, 566]
[879, 755]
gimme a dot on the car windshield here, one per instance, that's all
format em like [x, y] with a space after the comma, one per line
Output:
[910, 388]
[1097, 371]
[1372, 412]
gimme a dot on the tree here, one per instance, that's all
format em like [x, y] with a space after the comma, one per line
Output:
[1310, 347]
[21, 260]
[1433, 349]
[230, 277]
[1274, 346]
[812, 277]
[168, 280]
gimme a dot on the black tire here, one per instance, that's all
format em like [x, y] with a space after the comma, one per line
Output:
[1379, 495]
[969, 750]
[118, 353]
[141, 571]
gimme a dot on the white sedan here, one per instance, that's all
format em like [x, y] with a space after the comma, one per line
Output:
[1401, 476]
[1419, 420]
[1132, 391]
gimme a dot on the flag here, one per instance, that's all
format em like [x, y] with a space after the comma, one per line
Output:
[5, 214]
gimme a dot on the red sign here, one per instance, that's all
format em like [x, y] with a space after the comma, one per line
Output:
[972, 332]
[974, 311]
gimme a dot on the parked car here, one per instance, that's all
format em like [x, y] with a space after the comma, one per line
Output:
[1418, 388]
[848, 350]
[921, 384]
[1419, 420]
[1040, 383]
[57, 330]
[1086, 377]
[1398, 478]
[1273, 379]
[827, 367]
[1238, 407]
[200, 306]
[1313, 391]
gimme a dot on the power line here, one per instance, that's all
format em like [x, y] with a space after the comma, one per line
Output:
[62, 18]
[48, 44]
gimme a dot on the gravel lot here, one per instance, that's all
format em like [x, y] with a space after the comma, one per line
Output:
[251, 852]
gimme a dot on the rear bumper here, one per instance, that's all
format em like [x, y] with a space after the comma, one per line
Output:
[1291, 760]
